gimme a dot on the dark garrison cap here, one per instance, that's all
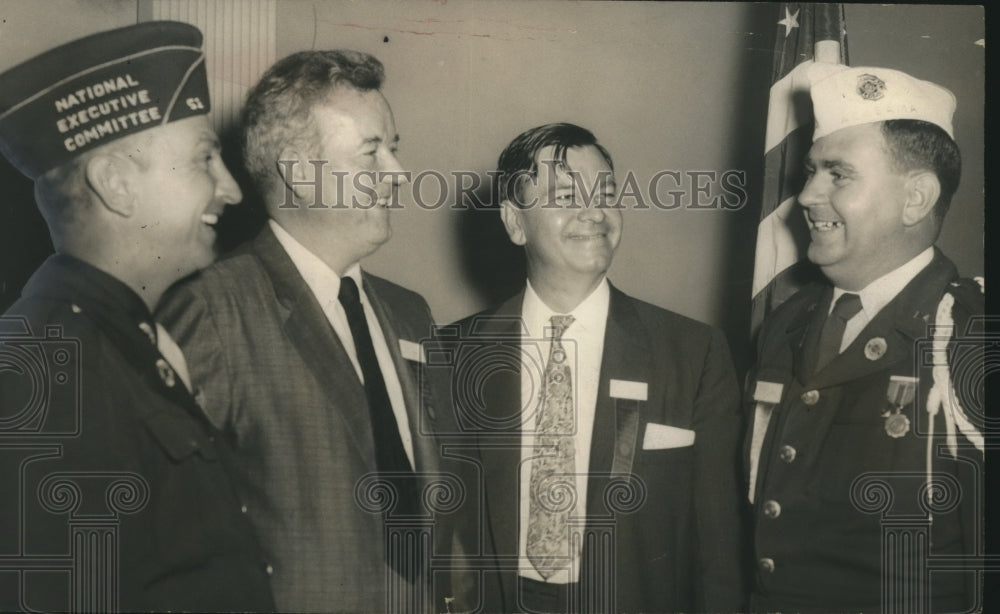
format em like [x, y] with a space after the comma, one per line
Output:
[89, 92]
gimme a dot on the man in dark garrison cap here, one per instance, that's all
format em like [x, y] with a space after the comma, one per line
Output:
[116, 491]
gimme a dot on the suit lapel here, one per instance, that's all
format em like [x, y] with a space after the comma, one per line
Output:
[617, 422]
[424, 451]
[803, 332]
[498, 429]
[311, 334]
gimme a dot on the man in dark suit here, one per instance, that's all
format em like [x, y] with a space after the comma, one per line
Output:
[310, 364]
[601, 432]
[865, 456]
[117, 495]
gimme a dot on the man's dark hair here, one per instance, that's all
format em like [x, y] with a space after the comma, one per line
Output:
[920, 145]
[518, 161]
[279, 108]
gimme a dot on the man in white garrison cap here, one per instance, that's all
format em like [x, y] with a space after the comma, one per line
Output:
[865, 450]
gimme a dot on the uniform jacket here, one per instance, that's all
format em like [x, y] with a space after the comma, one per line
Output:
[832, 479]
[104, 449]
[673, 512]
[281, 387]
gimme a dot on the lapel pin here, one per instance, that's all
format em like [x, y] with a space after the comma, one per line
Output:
[875, 348]
[148, 330]
[166, 373]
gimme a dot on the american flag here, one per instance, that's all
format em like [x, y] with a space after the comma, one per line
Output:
[807, 33]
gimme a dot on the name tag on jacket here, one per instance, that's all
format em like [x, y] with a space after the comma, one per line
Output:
[633, 391]
[411, 351]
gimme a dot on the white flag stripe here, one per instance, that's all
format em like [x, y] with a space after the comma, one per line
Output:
[776, 247]
[788, 107]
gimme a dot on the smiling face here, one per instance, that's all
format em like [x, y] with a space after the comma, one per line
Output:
[357, 142]
[568, 241]
[853, 202]
[181, 189]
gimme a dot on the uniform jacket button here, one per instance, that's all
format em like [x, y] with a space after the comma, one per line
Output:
[766, 564]
[772, 509]
[786, 453]
[810, 397]
[269, 570]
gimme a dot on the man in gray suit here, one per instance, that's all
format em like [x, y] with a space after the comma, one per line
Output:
[310, 364]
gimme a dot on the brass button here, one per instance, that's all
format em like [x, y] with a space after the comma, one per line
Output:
[772, 509]
[786, 453]
[243, 509]
[810, 397]
[269, 570]
[766, 564]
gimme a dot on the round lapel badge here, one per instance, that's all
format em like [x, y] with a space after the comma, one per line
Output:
[897, 425]
[875, 348]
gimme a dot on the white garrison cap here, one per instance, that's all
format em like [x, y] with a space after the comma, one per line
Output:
[845, 96]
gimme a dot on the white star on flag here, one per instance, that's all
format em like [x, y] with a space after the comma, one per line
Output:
[790, 21]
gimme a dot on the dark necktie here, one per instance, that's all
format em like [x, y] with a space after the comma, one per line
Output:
[390, 456]
[847, 306]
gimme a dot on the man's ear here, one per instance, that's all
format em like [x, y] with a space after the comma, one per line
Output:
[922, 192]
[511, 217]
[109, 176]
[297, 173]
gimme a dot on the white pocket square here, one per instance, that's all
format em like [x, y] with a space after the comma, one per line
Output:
[411, 351]
[664, 437]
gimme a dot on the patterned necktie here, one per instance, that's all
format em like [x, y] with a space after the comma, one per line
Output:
[553, 479]
[847, 306]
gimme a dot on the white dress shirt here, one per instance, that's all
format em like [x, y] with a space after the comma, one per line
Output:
[879, 293]
[583, 341]
[325, 286]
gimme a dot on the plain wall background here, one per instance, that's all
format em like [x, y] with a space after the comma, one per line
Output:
[673, 86]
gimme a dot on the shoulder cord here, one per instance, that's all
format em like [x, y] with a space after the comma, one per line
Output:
[942, 394]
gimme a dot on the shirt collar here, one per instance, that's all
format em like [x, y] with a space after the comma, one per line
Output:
[880, 292]
[321, 279]
[587, 316]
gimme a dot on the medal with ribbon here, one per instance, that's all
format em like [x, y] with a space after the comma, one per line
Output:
[899, 394]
